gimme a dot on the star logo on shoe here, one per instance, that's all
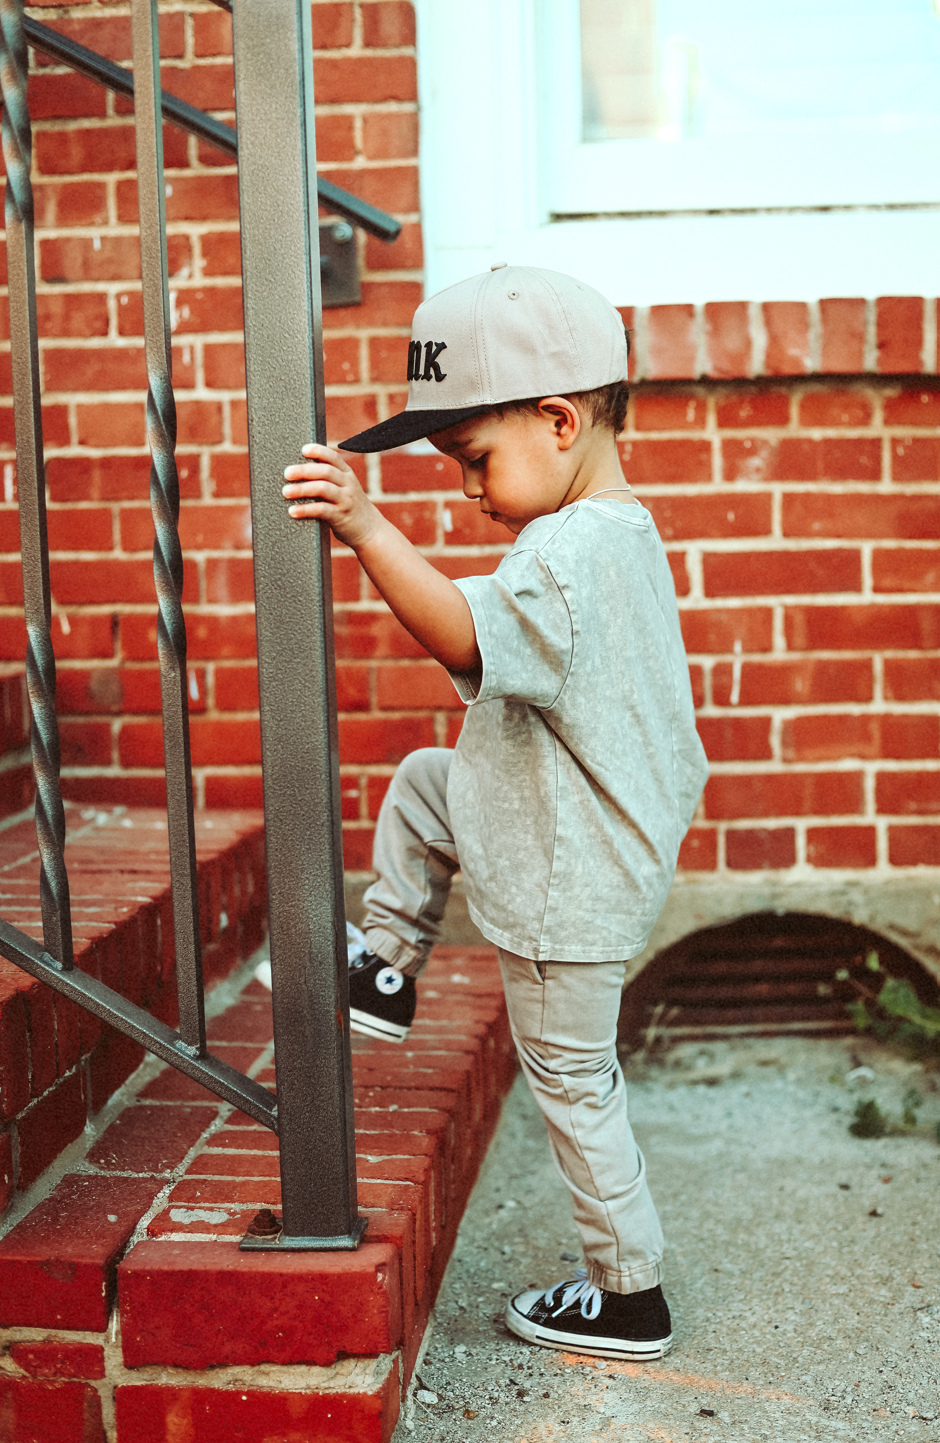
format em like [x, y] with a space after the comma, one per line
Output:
[388, 981]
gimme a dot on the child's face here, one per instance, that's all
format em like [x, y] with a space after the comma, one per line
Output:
[513, 465]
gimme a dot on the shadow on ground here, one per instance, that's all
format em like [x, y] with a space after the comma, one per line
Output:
[803, 1267]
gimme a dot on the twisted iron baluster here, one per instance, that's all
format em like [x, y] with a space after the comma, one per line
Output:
[40, 659]
[165, 505]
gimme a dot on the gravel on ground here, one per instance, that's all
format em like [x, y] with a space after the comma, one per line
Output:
[802, 1262]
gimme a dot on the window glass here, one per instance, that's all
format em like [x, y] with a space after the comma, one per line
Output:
[685, 69]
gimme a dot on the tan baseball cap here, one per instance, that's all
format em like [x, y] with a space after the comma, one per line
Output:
[505, 335]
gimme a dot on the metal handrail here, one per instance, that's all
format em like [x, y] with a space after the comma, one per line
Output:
[197, 122]
[313, 1114]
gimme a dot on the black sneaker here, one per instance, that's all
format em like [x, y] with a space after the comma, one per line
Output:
[581, 1318]
[381, 1001]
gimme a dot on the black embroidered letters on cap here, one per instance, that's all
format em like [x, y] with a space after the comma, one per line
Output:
[432, 371]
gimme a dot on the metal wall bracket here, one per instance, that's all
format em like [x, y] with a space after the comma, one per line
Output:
[339, 265]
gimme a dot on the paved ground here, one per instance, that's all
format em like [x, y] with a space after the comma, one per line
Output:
[803, 1266]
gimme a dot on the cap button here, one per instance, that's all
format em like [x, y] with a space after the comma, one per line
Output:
[498, 266]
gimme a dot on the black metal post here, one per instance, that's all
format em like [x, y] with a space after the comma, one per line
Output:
[31, 480]
[281, 278]
[165, 504]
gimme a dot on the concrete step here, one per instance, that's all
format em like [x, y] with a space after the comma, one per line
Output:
[59, 1065]
[136, 1258]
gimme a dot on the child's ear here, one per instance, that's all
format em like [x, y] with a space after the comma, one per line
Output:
[564, 417]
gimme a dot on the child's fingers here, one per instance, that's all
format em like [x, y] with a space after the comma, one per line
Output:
[315, 471]
[313, 486]
[319, 488]
[317, 509]
[315, 451]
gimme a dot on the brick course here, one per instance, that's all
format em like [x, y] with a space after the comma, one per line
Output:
[786, 450]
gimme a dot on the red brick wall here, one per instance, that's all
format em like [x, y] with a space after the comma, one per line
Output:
[790, 454]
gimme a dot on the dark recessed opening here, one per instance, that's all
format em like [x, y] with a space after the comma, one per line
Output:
[762, 974]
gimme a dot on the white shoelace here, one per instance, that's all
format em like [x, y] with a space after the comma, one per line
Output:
[577, 1289]
[355, 945]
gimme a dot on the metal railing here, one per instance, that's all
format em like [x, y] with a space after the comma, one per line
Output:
[278, 195]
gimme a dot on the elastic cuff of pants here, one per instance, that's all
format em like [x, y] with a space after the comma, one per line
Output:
[403, 956]
[636, 1281]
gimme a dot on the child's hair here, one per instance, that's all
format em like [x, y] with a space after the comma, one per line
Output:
[606, 406]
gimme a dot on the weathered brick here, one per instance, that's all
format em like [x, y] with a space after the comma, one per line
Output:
[693, 517]
[783, 683]
[765, 573]
[372, 78]
[735, 738]
[919, 407]
[721, 629]
[749, 408]
[671, 342]
[884, 627]
[914, 793]
[911, 678]
[668, 411]
[59, 1359]
[783, 794]
[911, 518]
[822, 737]
[699, 850]
[650, 462]
[843, 335]
[834, 407]
[787, 326]
[915, 458]
[914, 846]
[908, 570]
[728, 338]
[900, 333]
[59, 1412]
[50, 1124]
[57, 1266]
[841, 846]
[147, 1413]
[202, 1305]
[751, 849]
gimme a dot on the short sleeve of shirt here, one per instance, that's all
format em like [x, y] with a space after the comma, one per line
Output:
[524, 633]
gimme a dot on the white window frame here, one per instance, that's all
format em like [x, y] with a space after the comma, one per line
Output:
[502, 165]
[735, 173]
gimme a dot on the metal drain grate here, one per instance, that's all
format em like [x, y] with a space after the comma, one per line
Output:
[762, 974]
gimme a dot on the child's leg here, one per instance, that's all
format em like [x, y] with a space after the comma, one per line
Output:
[415, 858]
[564, 1022]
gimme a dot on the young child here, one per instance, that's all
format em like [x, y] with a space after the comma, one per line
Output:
[578, 767]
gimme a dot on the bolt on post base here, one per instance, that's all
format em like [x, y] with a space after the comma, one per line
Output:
[265, 1234]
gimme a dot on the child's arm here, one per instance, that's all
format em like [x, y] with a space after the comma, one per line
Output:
[426, 603]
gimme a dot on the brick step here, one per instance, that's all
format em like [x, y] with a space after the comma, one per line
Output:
[58, 1064]
[17, 787]
[136, 1259]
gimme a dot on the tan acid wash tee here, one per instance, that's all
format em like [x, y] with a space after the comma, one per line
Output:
[579, 767]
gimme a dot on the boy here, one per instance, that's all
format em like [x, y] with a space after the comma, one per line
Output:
[578, 767]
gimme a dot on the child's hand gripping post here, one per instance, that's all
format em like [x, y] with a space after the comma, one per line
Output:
[429, 605]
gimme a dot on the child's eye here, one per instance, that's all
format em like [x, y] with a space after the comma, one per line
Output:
[478, 463]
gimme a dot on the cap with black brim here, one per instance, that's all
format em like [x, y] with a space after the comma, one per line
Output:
[409, 426]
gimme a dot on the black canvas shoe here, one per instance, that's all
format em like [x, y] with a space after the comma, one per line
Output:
[577, 1316]
[381, 1001]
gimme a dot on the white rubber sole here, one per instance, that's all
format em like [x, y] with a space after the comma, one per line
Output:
[371, 1026]
[627, 1352]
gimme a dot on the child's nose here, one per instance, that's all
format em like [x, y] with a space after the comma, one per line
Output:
[471, 487]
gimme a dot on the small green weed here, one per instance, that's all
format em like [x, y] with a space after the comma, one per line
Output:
[894, 1013]
[870, 1121]
[896, 1016]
